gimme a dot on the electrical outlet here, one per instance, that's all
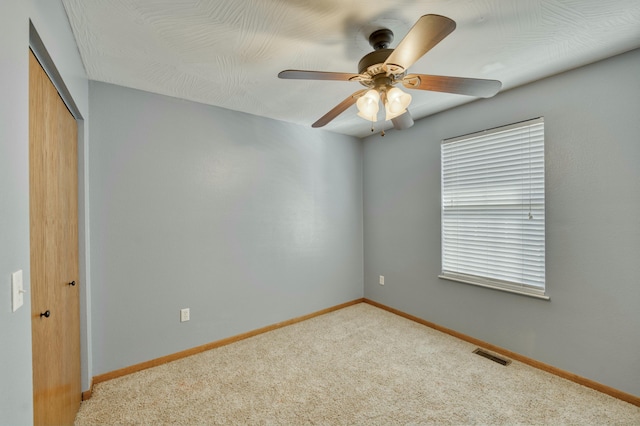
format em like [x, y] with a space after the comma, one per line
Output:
[184, 315]
[381, 279]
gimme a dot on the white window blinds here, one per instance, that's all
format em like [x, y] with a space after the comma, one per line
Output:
[493, 208]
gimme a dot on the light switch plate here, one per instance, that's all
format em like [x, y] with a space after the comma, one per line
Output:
[17, 290]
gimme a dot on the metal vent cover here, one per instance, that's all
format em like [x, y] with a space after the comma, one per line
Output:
[492, 357]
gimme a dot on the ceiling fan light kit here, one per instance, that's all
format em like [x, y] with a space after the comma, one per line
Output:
[382, 69]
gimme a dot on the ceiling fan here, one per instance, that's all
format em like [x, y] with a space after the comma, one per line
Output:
[381, 70]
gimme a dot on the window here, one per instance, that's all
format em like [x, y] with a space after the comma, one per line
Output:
[493, 208]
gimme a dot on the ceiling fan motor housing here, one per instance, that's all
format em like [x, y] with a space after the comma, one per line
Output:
[377, 57]
[379, 75]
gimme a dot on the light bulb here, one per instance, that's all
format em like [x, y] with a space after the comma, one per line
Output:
[397, 103]
[368, 105]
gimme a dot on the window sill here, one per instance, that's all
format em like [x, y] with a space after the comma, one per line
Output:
[488, 284]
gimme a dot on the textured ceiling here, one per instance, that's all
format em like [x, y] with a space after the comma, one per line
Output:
[228, 52]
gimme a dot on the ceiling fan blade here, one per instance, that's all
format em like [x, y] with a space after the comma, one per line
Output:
[428, 31]
[458, 85]
[339, 109]
[316, 75]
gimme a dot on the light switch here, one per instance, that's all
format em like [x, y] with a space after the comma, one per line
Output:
[17, 290]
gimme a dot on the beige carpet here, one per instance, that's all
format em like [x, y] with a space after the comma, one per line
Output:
[358, 365]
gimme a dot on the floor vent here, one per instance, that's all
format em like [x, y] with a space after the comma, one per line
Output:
[492, 357]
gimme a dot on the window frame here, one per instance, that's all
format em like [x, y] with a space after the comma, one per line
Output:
[534, 289]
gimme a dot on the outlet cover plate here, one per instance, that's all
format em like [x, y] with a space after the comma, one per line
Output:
[184, 314]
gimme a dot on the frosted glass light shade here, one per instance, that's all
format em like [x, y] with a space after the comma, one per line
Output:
[368, 105]
[397, 103]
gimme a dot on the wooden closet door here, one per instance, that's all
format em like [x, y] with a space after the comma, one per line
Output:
[53, 199]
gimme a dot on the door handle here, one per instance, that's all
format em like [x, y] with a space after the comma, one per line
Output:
[45, 314]
[72, 283]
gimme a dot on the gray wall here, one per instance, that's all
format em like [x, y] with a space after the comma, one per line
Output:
[591, 324]
[247, 221]
[51, 23]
